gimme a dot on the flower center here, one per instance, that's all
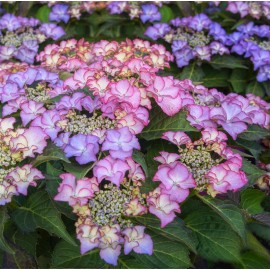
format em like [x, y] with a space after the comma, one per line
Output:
[193, 39]
[109, 205]
[17, 38]
[7, 157]
[199, 161]
[83, 124]
[38, 92]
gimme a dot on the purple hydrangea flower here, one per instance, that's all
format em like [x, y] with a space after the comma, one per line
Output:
[150, 13]
[52, 30]
[157, 31]
[83, 147]
[59, 13]
[120, 143]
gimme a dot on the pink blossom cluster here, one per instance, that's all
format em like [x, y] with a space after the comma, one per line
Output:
[15, 146]
[70, 55]
[104, 209]
[210, 108]
[208, 161]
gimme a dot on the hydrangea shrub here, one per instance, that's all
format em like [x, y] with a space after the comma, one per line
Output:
[134, 135]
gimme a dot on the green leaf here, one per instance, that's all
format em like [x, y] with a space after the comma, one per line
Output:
[216, 79]
[139, 158]
[126, 262]
[167, 254]
[43, 13]
[166, 13]
[39, 212]
[238, 80]
[160, 123]
[20, 259]
[251, 201]
[192, 72]
[68, 256]
[79, 171]
[255, 88]
[229, 212]
[26, 241]
[174, 231]
[227, 61]
[217, 242]
[251, 260]
[254, 148]
[261, 231]
[252, 171]
[3, 218]
[253, 133]
[51, 152]
[254, 244]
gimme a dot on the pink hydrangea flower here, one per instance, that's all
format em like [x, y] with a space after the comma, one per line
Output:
[30, 141]
[48, 122]
[167, 158]
[223, 178]
[6, 124]
[166, 94]
[110, 247]
[120, 143]
[135, 208]
[211, 135]
[7, 191]
[174, 174]
[76, 192]
[89, 236]
[178, 138]
[135, 239]
[30, 110]
[162, 207]
[111, 169]
[199, 116]
[24, 176]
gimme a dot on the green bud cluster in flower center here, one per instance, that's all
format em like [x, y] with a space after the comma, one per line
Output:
[265, 45]
[86, 125]
[193, 39]
[109, 205]
[201, 100]
[7, 157]
[4, 173]
[39, 93]
[16, 39]
[199, 161]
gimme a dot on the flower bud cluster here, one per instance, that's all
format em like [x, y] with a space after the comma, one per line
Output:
[104, 209]
[214, 166]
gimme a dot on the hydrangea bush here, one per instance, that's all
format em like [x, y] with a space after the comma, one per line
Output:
[134, 135]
